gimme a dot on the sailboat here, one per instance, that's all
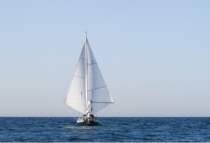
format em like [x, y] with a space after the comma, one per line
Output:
[88, 92]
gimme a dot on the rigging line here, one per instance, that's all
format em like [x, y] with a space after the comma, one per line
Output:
[108, 109]
[71, 114]
[86, 58]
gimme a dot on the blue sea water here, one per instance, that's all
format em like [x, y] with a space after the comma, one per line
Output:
[113, 129]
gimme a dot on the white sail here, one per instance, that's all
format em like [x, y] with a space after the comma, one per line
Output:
[76, 97]
[98, 92]
[88, 85]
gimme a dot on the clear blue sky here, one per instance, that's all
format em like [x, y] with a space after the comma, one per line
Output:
[154, 55]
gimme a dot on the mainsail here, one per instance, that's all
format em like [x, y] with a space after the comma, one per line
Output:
[88, 85]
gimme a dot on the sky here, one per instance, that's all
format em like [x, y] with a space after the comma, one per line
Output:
[153, 55]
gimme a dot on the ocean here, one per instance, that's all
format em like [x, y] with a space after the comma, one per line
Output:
[112, 129]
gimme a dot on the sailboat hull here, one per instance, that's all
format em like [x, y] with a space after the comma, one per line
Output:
[90, 123]
[85, 121]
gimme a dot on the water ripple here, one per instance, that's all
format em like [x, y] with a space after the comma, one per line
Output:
[111, 129]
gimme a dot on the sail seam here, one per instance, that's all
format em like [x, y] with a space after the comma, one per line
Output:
[96, 88]
[79, 77]
[92, 64]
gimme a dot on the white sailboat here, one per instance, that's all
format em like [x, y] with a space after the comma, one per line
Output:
[88, 92]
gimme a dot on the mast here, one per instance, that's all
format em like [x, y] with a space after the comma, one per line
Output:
[86, 55]
[87, 78]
